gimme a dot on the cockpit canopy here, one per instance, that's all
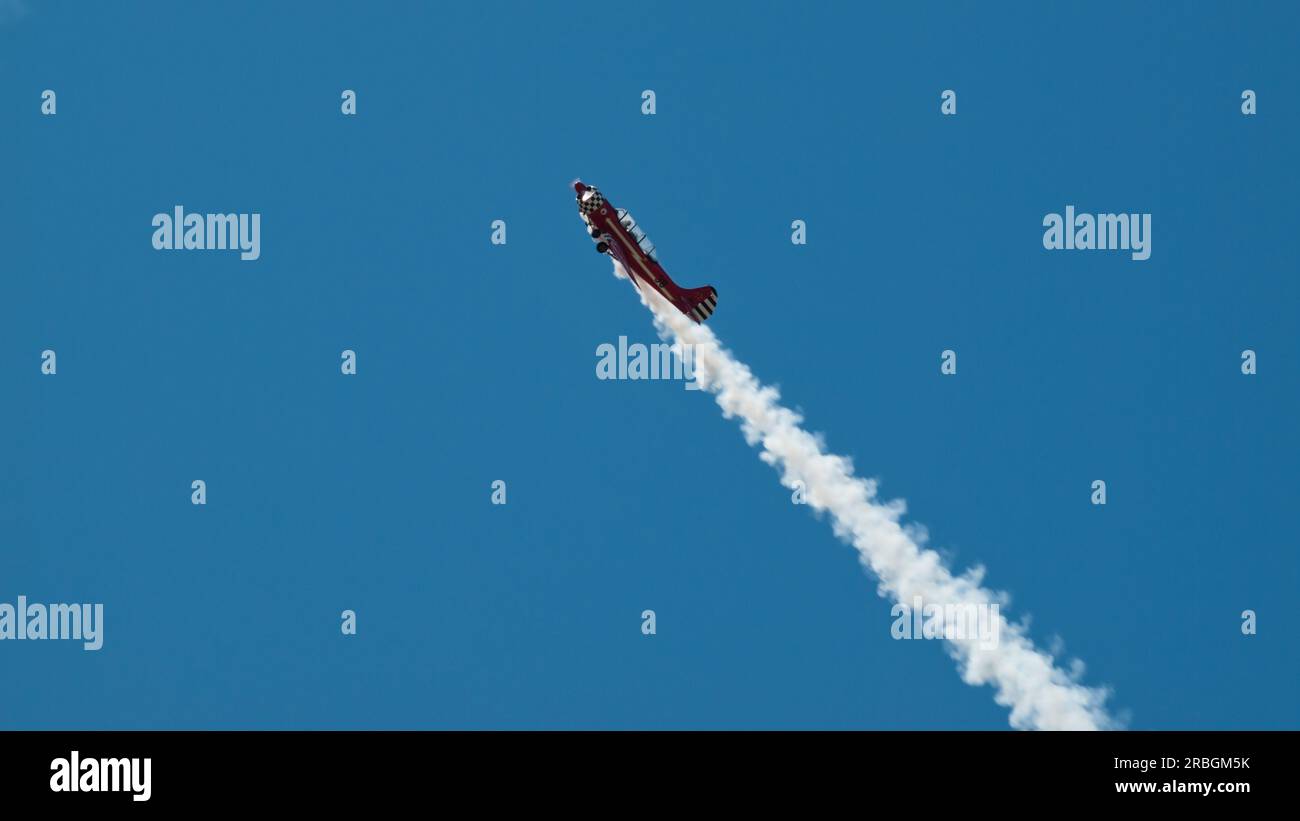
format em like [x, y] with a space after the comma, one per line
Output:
[647, 247]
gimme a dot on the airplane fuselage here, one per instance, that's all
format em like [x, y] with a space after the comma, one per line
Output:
[612, 231]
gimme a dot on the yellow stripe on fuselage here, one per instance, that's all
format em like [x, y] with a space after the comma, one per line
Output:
[649, 277]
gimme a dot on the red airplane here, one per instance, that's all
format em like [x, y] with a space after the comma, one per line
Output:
[616, 233]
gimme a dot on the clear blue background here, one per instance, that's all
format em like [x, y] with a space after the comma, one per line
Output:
[477, 362]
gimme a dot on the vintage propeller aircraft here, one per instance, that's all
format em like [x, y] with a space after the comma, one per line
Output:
[617, 234]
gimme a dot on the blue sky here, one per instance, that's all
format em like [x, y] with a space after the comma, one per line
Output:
[477, 362]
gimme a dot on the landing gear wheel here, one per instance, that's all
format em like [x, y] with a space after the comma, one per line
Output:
[595, 232]
[602, 247]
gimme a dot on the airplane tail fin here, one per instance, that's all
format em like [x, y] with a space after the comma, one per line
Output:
[700, 302]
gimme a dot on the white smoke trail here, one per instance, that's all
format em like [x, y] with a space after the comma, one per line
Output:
[1024, 678]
